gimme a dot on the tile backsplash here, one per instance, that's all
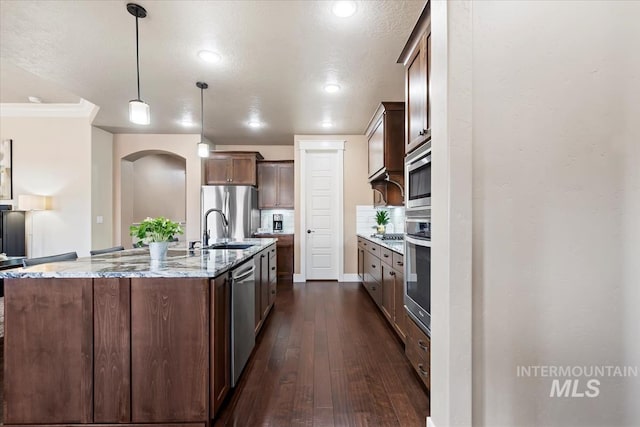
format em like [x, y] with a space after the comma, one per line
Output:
[366, 219]
[288, 220]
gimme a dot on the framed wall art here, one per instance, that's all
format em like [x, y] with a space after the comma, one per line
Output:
[6, 184]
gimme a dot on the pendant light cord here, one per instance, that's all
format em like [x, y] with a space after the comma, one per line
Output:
[137, 60]
[202, 114]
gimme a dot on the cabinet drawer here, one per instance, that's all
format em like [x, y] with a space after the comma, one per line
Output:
[418, 351]
[372, 268]
[385, 255]
[398, 260]
[373, 248]
[361, 243]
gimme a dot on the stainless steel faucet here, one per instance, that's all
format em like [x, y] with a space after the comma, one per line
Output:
[225, 226]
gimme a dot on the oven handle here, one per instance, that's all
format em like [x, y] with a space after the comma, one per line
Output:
[411, 166]
[413, 240]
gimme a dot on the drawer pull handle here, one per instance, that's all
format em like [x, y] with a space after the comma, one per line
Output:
[399, 263]
[392, 273]
[423, 345]
[386, 256]
[273, 268]
[422, 371]
[373, 265]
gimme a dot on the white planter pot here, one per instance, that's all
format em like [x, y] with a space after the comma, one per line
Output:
[158, 250]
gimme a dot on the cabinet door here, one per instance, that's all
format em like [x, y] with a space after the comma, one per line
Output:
[400, 316]
[48, 353]
[285, 186]
[111, 351]
[388, 291]
[285, 257]
[220, 341]
[264, 286]
[376, 148]
[267, 185]
[258, 260]
[416, 107]
[169, 350]
[243, 170]
[361, 264]
[216, 171]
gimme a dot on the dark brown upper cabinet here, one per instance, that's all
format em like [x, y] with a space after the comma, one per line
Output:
[416, 57]
[231, 168]
[275, 184]
[385, 136]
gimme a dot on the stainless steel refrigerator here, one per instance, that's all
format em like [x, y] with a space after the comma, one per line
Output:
[239, 203]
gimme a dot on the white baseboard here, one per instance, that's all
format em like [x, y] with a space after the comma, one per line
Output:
[298, 278]
[430, 423]
[350, 277]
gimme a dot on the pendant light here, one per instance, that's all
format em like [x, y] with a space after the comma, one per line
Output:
[203, 147]
[138, 109]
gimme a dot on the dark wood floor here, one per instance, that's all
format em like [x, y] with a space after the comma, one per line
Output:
[327, 358]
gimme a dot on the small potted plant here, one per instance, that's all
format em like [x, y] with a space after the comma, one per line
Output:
[382, 219]
[157, 232]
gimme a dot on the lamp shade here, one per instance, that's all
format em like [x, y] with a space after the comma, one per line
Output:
[139, 112]
[34, 203]
[203, 149]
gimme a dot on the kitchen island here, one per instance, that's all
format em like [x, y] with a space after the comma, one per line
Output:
[120, 339]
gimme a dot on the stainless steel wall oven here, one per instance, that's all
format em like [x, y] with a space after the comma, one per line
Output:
[417, 264]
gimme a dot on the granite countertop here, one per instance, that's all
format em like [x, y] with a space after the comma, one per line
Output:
[393, 245]
[180, 262]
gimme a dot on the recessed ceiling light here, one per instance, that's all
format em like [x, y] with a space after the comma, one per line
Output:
[209, 56]
[35, 99]
[327, 124]
[332, 88]
[254, 124]
[188, 123]
[344, 9]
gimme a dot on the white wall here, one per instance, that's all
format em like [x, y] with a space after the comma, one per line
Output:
[555, 162]
[52, 156]
[159, 187]
[101, 188]
[182, 145]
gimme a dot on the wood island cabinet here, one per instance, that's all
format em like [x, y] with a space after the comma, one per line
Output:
[220, 342]
[275, 184]
[416, 56]
[231, 168]
[116, 351]
[265, 284]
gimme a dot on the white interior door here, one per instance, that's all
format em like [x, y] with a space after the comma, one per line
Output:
[321, 215]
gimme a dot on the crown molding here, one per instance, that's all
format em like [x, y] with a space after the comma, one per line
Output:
[83, 108]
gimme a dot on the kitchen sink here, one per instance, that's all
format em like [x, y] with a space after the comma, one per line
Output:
[230, 246]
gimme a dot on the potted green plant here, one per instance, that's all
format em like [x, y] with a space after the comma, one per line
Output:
[382, 219]
[157, 232]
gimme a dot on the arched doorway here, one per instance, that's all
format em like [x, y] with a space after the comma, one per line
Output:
[153, 183]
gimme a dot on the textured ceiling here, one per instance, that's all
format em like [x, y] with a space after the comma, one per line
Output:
[276, 58]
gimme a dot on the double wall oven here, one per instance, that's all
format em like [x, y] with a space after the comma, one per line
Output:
[417, 252]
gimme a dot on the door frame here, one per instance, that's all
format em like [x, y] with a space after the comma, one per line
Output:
[336, 146]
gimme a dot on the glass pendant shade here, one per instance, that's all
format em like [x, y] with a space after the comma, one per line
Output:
[203, 149]
[139, 112]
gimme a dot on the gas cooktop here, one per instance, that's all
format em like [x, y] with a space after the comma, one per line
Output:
[389, 236]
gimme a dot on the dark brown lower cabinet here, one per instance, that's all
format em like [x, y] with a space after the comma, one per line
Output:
[111, 350]
[169, 349]
[418, 351]
[119, 425]
[48, 374]
[399, 312]
[220, 342]
[266, 280]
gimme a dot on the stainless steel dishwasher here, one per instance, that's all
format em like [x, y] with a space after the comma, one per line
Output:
[242, 317]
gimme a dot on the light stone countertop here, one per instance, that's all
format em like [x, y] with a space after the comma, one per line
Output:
[393, 245]
[180, 262]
